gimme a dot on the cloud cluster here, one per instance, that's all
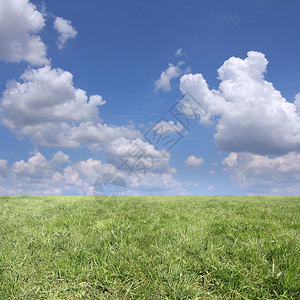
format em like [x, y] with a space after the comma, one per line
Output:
[252, 121]
[252, 116]
[65, 29]
[266, 174]
[20, 23]
[59, 175]
[47, 95]
[46, 106]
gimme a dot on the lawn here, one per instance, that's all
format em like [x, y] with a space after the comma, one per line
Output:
[162, 247]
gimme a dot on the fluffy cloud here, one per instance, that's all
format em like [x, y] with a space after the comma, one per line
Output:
[46, 95]
[137, 156]
[166, 76]
[20, 23]
[65, 29]
[36, 168]
[265, 173]
[58, 159]
[193, 162]
[252, 116]
[58, 175]
[46, 106]
[41, 176]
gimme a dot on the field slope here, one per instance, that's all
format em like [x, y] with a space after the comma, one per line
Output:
[149, 247]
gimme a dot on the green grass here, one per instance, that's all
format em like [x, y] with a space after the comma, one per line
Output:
[149, 248]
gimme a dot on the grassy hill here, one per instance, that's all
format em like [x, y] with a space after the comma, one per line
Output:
[149, 247]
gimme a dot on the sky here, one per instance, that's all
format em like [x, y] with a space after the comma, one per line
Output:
[158, 97]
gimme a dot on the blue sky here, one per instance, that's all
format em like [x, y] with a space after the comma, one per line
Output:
[83, 82]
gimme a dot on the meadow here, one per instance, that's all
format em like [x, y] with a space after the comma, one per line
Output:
[160, 247]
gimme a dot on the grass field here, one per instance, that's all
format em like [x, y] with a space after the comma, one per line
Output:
[149, 248]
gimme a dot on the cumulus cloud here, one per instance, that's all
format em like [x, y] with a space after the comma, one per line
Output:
[251, 115]
[138, 157]
[56, 176]
[269, 174]
[46, 95]
[59, 175]
[37, 167]
[65, 29]
[46, 106]
[58, 159]
[193, 162]
[20, 23]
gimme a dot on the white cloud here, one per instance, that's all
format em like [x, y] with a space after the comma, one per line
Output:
[41, 176]
[46, 95]
[46, 106]
[58, 159]
[59, 175]
[264, 173]
[167, 127]
[212, 172]
[193, 161]
[252, 116]
[36, 168]
[20, 22]
[166, 76]
[83, 172]
[137, 156]
[65, 29]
